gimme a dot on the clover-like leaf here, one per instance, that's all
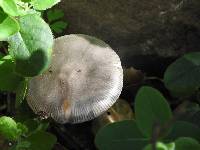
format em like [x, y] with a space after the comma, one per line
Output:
[54, 14]
[161, 146]
[8, 26]
[120, 135]
[10, 7]
[43, 4]
[186, 143]
[184, 129]
[41, 141]
[10, 129]
[151, 108]
[22, 145]
[182, 76]
[58, 26]
[9, 80]
[31, 47]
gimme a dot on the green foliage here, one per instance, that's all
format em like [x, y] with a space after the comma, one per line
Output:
[35, 125]
[54, 14]
[120, 135]
[54, 17]
[41, 140]
[182, 76]
[31, 48]
[58, 26]
[34, 131]
[10, 129]
[161, 146]
[44, 4]
[151, 109]
[21, 92]
[30, 38]
[9, 7]
[187, 144]
[22, 145]
[8, 78]
[184, 129]
[30, 45]
[8, 26]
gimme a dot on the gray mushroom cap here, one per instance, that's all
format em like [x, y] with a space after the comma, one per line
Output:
[85, 79]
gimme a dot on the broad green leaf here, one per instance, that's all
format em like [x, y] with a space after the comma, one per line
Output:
[3, 15]
[8, 26]
[32, 125]
[22, 129]
[187, 144]
[9, 80]
[36, 125]
[41, 141]
[43, 125]
[31, 48]
[21, 92]
[123, 135]
[182, 76]
[10, 7]
[184, 129]
[151, 108]
[24, 8]
[58, 26]
[54, 14]
[10, 129]
[24, 113]
[43, 4]
[22, 145]
[161, 146]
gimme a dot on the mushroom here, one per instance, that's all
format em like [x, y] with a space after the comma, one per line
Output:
[84, 80]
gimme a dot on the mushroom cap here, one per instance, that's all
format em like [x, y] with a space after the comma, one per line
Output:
[84, 79]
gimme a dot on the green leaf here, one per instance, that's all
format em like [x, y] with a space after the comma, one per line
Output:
[55, 14]
[26, 0]
[10, 7]
[9, 80]
[21, 92]
[161, 146]
[23, 145]
[22, 129]
[151, 108]
[36, 125]
[10, 129]
[182, 76]
[8, 26]
[43, 125]
[41, 141]
[32, 125]
[187, 144]
[43, 4]
[184, 129]
[31, 48]
[120, 135]
[58, 26]
[3, 15]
